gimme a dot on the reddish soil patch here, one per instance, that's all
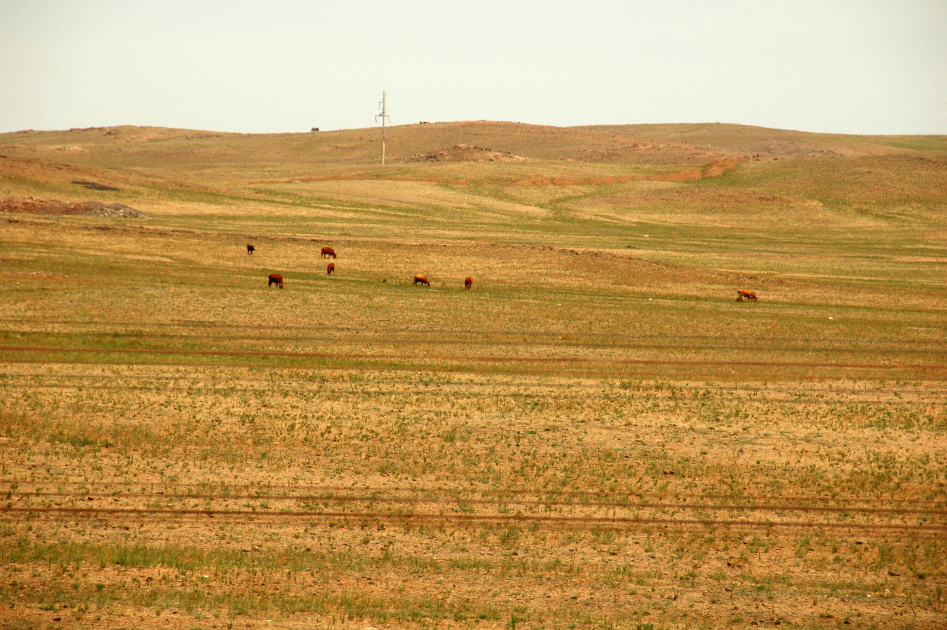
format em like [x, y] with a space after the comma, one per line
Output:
[719, 167]
[51, 206]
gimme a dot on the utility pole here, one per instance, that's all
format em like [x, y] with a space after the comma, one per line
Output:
[384, 116]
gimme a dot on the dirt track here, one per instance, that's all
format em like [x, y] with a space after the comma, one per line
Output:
[251, 515]
[469, 358]
[380, 497]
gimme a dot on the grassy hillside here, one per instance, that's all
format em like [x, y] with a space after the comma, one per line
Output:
[658, 196]
[598, 435]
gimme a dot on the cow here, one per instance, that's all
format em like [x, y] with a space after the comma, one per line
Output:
[422, 280]
[468, 282]
[750, 295]
[276, 279]
[328, 252]
[330, 268]
[250, 248]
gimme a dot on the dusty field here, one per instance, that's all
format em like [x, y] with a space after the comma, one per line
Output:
[596, 436]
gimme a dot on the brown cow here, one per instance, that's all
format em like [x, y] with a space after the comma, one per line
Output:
[328, 252]
[250, 249]
[468, 282]
[750, 295]
[330, 268]
[276, 279]
[422, 280]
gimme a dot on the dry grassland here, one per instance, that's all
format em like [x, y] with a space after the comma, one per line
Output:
[596, 436]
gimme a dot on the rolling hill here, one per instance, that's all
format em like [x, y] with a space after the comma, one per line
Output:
[596, 435]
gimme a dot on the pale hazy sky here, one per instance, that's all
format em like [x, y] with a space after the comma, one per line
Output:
[824, 65]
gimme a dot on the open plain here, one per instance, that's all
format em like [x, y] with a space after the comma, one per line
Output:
[597, 435]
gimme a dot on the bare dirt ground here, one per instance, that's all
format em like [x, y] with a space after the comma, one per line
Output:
[387, 498]
[52, 207]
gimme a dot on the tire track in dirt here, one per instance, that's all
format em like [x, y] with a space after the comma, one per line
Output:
[495, 502]
[55, 512]
[468, 359]
[171, 489]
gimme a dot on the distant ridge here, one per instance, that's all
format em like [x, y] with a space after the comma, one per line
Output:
[659, 144]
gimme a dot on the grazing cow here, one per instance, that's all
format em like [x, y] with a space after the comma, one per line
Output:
[250, 249]
[750, 295]
[330, 268]
[468, 282]
[422, 280]
[328, 252]
[276, 279]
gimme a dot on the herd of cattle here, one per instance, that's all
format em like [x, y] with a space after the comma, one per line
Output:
[328, 252]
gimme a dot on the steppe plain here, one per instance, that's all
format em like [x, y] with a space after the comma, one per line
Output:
[598, 435]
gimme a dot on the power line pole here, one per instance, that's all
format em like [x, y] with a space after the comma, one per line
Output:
[384, 117]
